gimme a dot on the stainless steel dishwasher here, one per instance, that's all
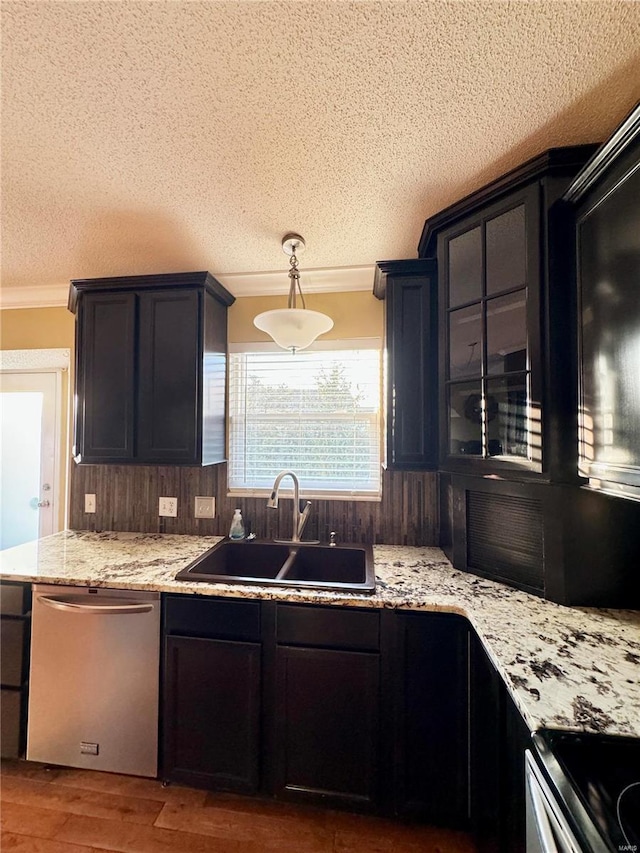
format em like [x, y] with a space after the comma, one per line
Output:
[94, 681]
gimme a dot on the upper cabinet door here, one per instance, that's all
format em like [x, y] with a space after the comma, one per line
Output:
[105, 365]
[490, 295]
[507, 324]
[410, 292]
[169, 353]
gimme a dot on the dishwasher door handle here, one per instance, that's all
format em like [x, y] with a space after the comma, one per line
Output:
[74, 604]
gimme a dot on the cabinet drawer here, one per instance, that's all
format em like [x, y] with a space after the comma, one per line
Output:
[192, 616]
[12, 662]
[328, 627]
[10, 723]
[15, 598]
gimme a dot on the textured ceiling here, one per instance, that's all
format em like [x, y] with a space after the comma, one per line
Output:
[144, 137]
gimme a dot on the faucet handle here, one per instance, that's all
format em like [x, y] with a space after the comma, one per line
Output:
[332, 539]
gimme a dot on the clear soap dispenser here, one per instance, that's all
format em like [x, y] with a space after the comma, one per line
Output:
[236, 531]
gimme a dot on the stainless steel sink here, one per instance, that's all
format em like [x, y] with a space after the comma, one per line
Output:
[338, 567]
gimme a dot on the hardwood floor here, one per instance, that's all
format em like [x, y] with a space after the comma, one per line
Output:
[59, 810]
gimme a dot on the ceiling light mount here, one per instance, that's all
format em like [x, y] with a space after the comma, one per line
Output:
[293, 244]
[293, 328]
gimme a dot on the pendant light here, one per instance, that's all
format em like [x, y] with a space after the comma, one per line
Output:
[293, 328]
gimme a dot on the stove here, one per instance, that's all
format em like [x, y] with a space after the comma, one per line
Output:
[595, 779]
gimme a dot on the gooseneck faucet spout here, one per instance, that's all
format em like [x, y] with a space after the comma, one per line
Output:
[299, 518]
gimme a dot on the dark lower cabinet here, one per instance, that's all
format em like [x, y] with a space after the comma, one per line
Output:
[394, 712]
[15, 632]
[212, 707]
[431, 718]
[327, 741]
[213, 713]
[326, 722]
[485, 749]
[498, 739]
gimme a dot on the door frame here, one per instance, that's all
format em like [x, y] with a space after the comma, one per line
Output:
[56, 361]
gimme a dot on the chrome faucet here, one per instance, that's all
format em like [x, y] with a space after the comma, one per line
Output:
[299, 518]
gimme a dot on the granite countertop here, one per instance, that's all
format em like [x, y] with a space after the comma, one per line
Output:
[566, 667]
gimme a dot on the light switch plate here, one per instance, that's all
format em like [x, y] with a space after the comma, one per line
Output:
[89, 503]
[168, 507]
[204, 507]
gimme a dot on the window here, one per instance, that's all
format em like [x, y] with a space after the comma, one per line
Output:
[316, 413]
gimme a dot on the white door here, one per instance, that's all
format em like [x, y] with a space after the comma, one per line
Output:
[29, 417]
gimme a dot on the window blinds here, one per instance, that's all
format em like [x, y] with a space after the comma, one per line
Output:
[316, 413]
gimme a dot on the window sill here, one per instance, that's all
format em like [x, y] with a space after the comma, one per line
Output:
[371, 497]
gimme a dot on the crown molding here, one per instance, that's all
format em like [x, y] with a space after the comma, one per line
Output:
[35, 296]
[321, 280]
[327, 280]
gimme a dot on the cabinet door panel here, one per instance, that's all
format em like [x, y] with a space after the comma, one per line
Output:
[412, 368]
[212, 713]
[506, 256]
[106, 369]
[465, 267]
[327, 724]
[431, 759]
[485, 749]
[169, 425]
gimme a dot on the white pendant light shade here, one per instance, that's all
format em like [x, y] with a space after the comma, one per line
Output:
[293, 328]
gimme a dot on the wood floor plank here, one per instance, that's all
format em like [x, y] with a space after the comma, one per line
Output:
[306, 836]
[28, 770]
[134, 838]
[412, 840]
[31, 820]
[269, 807]
[11, 841]
[29, 792]
[128, 786]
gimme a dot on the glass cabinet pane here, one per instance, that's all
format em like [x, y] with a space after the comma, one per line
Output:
[506, 415]
[465, 341]
[507, 333]
[506, 246]
[465, 267]
[465, 419]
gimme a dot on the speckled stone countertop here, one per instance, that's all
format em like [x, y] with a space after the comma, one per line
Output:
[566, 667]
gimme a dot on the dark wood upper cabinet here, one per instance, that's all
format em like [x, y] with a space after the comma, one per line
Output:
[151, 355]
[409, 288]
[507, 389]
[606, 198]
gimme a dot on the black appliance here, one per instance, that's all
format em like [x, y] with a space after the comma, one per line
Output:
[589, 786]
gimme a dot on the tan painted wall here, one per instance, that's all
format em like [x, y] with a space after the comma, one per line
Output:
[46, 328]
[355, 315]
[36, 328]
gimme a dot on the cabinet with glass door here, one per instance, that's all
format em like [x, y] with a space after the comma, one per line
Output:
[507, 325]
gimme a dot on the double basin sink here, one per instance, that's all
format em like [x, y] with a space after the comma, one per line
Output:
[346, 568]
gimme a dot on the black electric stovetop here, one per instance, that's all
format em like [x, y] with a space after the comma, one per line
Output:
[604, 772]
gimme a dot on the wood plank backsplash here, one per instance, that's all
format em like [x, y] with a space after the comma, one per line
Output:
[127, 499]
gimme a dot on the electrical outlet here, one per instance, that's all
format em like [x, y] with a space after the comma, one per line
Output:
[168, 507]
[89, 503]
[204, 507]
